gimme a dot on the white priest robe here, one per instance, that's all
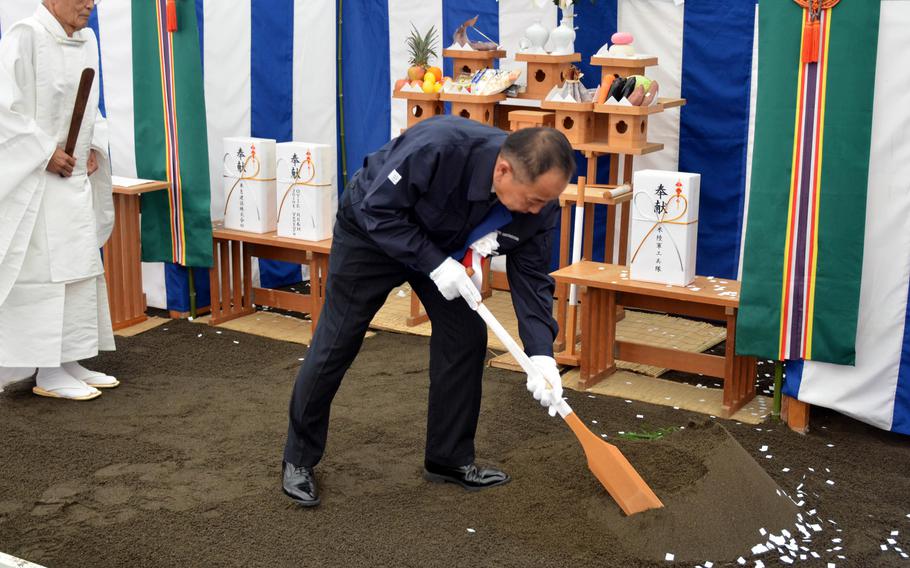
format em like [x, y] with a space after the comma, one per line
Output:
[53, 300]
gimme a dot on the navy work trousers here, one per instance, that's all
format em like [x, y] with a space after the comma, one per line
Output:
[360, 278]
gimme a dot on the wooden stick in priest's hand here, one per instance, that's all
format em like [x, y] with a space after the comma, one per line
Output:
[82, 94]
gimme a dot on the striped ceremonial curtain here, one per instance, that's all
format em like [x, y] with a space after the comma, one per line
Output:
[803, 256]
[170, 134]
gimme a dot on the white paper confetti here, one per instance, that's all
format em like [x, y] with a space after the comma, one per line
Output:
[763, 449]
[759, 549]
[669, 557]
[829, 482]
[471, 531]
[741, 561]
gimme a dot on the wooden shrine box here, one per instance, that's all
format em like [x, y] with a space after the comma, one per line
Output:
[519, 119]
[545, 72]
[469, 62]
[481, 108]
[626, 126]
[421, 106]
[575, 120]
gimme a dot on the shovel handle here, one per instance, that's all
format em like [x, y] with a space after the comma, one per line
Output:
[520, 356]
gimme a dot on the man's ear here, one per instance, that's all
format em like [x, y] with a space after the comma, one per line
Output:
[502, 167]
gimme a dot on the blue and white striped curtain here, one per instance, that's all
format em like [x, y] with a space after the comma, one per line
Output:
[270, 71]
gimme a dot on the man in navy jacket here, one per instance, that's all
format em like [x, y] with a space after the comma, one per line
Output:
[406, 212]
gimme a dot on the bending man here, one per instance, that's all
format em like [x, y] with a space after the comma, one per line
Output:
[417, 202]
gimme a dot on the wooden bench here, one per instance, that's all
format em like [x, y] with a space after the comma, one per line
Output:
[122, 255]
[231, 275]
[607, 288]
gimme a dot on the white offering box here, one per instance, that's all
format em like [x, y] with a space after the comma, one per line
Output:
[664, 228]
[307, 193]
[249, 184]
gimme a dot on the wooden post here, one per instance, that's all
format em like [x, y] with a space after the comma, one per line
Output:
[796, 414]
[122, 255]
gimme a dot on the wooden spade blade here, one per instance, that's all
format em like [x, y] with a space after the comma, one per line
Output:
[85, 88]
[614, 471]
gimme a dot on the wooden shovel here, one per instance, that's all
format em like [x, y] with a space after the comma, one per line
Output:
[605, 460]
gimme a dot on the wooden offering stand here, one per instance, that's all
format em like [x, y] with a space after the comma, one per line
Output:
[481, 108]
[233, 293]
[545, 72]
[469, 62]
[589, 195]
[519, 119]
[575, 120]
[421, 106]
[608, 286]
[122, 255]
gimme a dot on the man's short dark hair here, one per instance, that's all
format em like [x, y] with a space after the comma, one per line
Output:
[535, 151]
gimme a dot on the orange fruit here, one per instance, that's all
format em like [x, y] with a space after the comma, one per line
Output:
[416, 72]
[436, 71]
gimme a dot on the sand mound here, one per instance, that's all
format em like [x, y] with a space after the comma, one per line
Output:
[716, 497]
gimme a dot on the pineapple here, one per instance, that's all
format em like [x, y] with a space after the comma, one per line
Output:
[420, 50]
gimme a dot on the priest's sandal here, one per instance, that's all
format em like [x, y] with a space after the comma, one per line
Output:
[57, 383]
[91, 378]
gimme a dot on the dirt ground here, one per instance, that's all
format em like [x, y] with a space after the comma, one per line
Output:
[180, 467]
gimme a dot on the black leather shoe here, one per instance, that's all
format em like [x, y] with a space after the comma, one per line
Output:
[469, 476]
[299, 483]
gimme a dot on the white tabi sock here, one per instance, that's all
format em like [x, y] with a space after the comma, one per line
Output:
[57, 381]
[91, 378]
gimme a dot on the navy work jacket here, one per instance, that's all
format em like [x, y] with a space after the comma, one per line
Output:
[420, 195]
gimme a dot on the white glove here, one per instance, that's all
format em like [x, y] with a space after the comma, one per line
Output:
[487, 244]
[452, 280]
[546, 384]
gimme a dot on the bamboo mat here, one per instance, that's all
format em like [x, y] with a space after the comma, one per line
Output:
[148, 324]
[639, 327]
[268, 324]
[632, 386]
